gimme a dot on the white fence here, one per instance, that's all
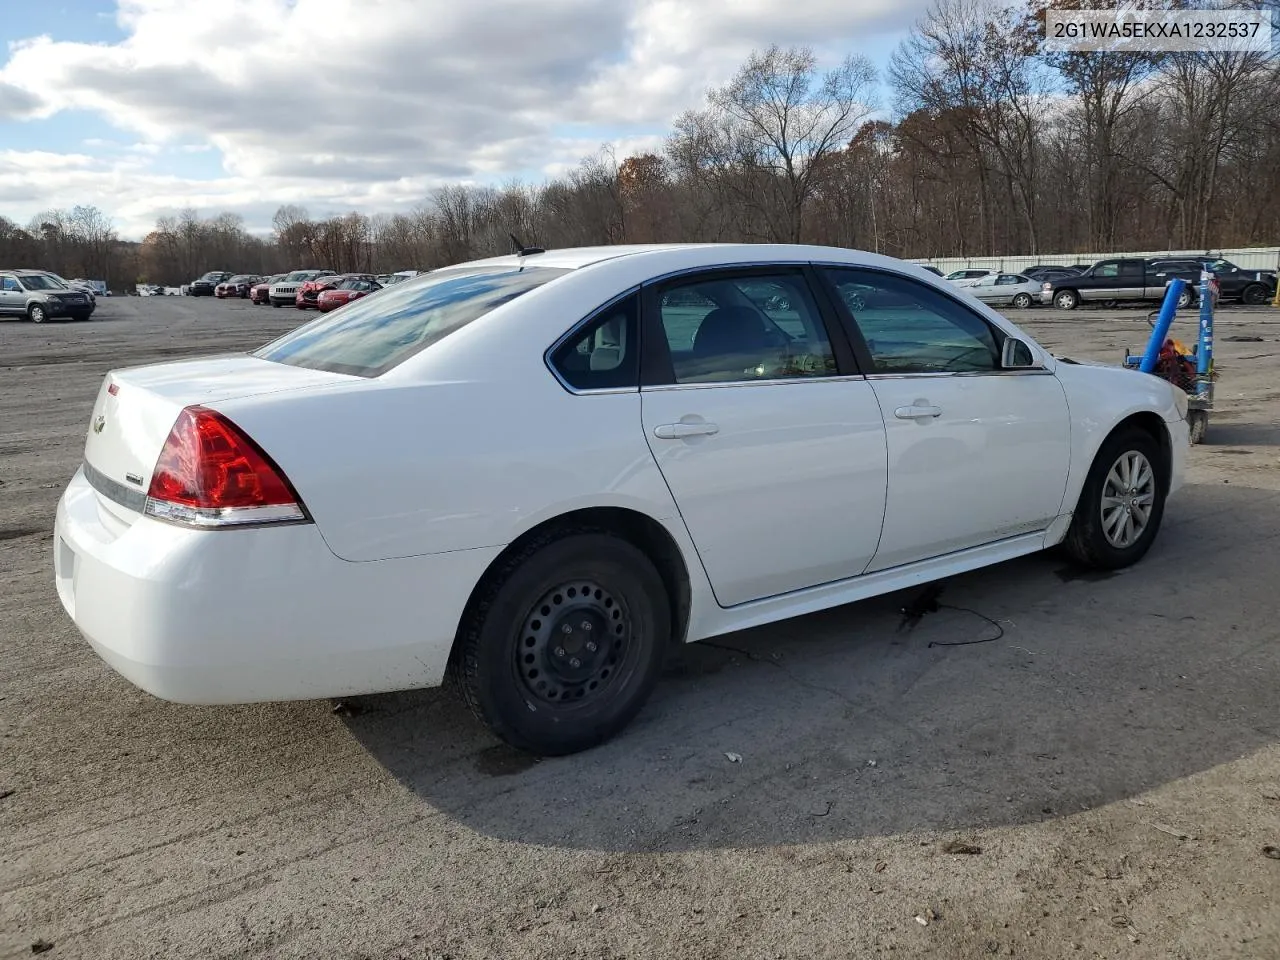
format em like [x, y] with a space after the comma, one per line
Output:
[1250, 258]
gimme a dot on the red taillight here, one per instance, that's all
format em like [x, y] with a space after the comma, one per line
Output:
[209, 474]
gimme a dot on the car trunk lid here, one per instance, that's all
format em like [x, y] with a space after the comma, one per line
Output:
[136, 408]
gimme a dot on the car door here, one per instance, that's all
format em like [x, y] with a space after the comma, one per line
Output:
[12, 298]
[976, 453]
[984, 288]
[771, 442]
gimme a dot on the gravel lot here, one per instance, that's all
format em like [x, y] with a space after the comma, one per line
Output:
[1113, 755]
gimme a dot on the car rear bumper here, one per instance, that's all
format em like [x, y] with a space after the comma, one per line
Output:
[252, 615]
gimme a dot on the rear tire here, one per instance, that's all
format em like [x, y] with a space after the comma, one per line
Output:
[528, 662]
[1022, 301]
[1255, 294]
[1098, 536]
[1185, 298]
[1198, 425]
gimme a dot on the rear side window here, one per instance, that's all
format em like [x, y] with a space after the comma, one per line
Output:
[605, 354]
[368, 337]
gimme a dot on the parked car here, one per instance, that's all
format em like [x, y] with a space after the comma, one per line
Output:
[237, 286]
[309, 293]
[286, 290]
[1041, 271]
[260, 292]
[205, 286]
[328, 515]
[39, 297]
[1014, 289]
[80, 286]
[969, 273]
[347, 290]
[1122, 280]
[387, 279]
[1252, 287]
[931, 269]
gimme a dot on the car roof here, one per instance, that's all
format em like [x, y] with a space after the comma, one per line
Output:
[575, 258]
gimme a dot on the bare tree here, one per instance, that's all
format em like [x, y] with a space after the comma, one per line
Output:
[765, 134]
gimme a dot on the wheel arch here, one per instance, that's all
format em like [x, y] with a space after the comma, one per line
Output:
[1152, 424]
[639, 529]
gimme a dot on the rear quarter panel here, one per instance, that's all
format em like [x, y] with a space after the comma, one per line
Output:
[400, 470]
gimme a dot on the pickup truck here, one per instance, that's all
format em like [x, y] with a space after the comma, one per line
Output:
[1126, 280]
[1253, 287]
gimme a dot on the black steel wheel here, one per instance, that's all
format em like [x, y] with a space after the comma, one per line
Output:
[563, 644]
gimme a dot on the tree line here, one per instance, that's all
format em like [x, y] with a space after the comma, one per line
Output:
[995, 146]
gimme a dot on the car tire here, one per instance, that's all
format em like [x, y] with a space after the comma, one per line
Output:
[37, 313]
[1185, 298]
[1255, 294]
[1096, 536]
[274, 304]
[524, 661]
[1066, 299]
[1022, 301]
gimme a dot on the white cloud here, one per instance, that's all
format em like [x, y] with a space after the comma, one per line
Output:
[321, 101]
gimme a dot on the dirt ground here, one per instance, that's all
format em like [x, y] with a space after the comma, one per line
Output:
[1112, 760]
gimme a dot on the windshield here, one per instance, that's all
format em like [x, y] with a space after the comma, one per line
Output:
[244, 278]
[1220, 266]
[370, 336]
[38, 281]
[299, 275]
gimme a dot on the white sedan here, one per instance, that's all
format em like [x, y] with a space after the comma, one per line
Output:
[1006, 288]
[538, 471]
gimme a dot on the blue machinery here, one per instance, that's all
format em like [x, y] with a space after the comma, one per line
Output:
[1162, 360]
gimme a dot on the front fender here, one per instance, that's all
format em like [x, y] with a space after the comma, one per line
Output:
[1100, 397]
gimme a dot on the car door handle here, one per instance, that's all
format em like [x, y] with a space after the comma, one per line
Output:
[678, 431]
[917, 411]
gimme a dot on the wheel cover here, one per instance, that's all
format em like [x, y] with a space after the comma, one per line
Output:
[1128, 496]
[573, 645]
[1065, 300]
[1022, 301]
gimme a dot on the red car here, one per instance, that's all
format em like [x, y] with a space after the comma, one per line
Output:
[237, 286]
[261, 292]
[309, 293]
[351, 288]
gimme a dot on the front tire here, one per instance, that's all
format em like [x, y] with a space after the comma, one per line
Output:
[562, 646]
[1254, 295]
[1120, 508]
[1066, 299]
[37, 313]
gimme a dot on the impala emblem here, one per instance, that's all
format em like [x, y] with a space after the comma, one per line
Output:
[98, 423]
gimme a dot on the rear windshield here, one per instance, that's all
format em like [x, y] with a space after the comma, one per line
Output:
[368, 337]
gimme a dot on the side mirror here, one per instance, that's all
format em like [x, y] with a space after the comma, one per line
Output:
[1016, 355]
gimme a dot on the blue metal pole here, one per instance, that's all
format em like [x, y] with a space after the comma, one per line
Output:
[1163, 323]
[1205, 350]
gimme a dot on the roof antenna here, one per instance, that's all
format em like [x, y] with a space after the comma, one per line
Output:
[521, 249]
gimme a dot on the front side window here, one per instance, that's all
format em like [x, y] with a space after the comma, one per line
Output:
[605, 354]
[371, 335]
[911, 328]
[741, 327]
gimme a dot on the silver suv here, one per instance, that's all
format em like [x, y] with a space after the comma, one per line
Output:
[39, 297]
